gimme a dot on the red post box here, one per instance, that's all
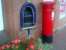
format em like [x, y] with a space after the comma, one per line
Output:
[47, 9]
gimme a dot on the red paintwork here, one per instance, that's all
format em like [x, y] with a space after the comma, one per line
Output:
[47, 22]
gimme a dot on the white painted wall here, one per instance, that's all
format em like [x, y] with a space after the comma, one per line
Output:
[1, 18]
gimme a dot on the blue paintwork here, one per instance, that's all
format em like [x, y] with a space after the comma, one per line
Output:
[30, 5]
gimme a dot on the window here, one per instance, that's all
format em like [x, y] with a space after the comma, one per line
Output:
[1, 17]
[27, 15]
